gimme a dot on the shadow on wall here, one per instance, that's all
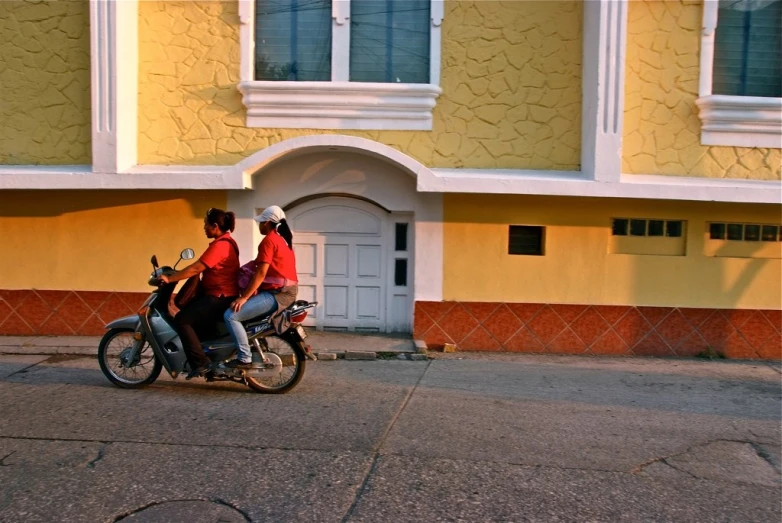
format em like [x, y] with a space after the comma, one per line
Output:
[45, 204]
[299, 175]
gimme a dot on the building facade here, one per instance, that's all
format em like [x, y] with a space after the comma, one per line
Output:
[587, 177]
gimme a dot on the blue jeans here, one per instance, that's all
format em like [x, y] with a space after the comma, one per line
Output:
[260, 304]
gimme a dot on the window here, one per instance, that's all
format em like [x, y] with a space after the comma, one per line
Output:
[743, 240]
[400, 237]
[293, 40]
[643, 236]
[389, 41]
[400, 253]
[748, 49]
[400, 272]
[340, 64]
[525, 240]
[641, 227]
[741, 73]
[747, 232]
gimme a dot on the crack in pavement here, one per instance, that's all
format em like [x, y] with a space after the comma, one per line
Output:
[168, 444]
[377, 454]
[25, 369]
[764, 455]
[2, 461]
[760, 451]
[101, 454]
[217, 501]
[381, 441]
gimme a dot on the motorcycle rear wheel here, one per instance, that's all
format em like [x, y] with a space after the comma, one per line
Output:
[141, 373]
[294, 364]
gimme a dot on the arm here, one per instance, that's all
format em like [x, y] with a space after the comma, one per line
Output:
[191, 270]
[255, 282]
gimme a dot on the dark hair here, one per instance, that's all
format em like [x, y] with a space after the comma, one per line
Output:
[225, 221]
[285, 232]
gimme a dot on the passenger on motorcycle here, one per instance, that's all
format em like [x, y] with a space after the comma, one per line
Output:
[219, 269]
[275, 277]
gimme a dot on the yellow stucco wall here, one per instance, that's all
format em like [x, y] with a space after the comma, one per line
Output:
[577, 267]
[511, 79]
[45, 80]
[82, 240]
[662, 128]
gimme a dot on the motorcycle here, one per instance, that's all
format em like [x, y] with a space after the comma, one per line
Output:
[136, 348]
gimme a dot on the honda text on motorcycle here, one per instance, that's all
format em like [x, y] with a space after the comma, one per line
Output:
[136, 348]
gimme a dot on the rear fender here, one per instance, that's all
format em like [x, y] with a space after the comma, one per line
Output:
[302, 349]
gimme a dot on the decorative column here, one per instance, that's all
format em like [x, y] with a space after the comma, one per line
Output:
[114, 81]
[603, 81]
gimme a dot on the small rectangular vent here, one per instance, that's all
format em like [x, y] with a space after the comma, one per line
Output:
[525, 240]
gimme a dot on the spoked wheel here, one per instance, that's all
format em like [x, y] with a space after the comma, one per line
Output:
[292, 371]
[114, 356]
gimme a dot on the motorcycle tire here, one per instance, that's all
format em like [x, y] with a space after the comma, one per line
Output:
[291, 375]
[112, 340]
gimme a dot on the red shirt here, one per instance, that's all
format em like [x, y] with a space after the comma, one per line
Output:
[222, 274]
[282, 262]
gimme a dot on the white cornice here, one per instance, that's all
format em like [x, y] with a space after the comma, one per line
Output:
[483, 181]
[139, 177]
[554, 183]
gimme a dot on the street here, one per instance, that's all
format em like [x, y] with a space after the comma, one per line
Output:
[461, 437]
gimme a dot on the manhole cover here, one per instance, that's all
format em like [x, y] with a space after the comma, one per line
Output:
[190, 511]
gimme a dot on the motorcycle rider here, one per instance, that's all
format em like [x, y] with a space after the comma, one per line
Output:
[219, 269]
[275, 275]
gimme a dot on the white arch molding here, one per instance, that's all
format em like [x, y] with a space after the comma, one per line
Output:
[247, 168]
[308, 166]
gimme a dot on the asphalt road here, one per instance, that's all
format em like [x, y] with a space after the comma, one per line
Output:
[460, 438]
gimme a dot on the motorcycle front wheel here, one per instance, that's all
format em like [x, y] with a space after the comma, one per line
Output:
[115, 361]
[293, 365]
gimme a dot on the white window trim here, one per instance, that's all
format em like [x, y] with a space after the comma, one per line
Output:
[741, 121]
[338, 104]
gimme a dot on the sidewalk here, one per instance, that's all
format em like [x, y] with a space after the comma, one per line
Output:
[360, 346]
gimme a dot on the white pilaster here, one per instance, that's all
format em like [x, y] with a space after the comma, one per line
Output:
[603, 81]
[428, 253]
[247, 40]
[114, 80]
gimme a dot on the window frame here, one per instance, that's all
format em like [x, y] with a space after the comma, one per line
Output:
[339, 103]
[740, 121]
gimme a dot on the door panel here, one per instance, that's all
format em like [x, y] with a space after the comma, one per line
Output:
[336, 302]
[369, 261]
[369, 303]
[337, 260]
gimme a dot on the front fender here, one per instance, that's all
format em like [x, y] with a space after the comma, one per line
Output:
[128, 322]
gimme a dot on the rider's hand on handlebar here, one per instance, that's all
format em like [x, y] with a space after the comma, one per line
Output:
[163, 279]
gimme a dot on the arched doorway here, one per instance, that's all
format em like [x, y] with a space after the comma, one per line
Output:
[391, 234]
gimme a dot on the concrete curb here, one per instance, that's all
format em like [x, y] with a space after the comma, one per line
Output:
[88, 346]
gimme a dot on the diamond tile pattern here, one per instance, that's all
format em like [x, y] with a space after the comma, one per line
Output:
[610, 330]
[63, 313]
[517, 327]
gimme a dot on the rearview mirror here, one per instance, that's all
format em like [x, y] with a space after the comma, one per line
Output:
[187, 254]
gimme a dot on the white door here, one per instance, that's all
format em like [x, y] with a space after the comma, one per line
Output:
[342, 257]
